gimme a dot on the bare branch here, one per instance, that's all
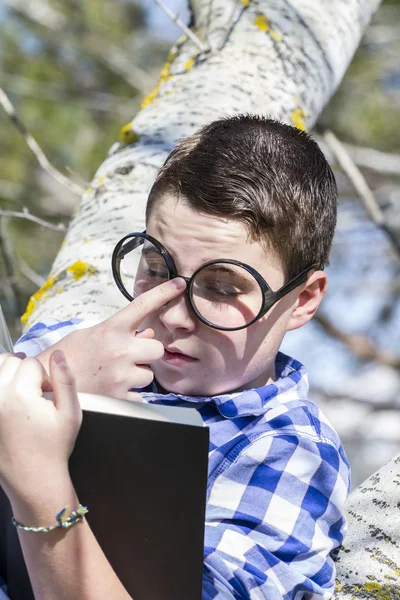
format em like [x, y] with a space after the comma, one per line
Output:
[34, 146]
[356, 177]
[78, 178]
[181, 25]
[361, 186]
[385, 163]
[29, 273]
[39, 11]
[27, 215]
[360, 345]
[99, 101]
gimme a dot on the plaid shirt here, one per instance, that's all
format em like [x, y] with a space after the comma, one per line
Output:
[277, 483]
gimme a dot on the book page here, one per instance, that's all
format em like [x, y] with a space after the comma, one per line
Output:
[140, 410]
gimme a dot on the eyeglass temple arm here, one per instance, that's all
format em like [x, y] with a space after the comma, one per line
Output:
[293, 283]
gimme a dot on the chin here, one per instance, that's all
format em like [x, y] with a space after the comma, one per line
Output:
[189, 388]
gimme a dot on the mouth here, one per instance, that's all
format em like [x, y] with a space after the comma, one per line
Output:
[173, 356]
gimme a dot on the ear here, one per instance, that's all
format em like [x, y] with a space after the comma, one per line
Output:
[308, 299]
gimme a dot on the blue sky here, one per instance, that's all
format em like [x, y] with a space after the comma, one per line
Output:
[161, 25]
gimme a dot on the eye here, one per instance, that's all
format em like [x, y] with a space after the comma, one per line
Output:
[154, 269]
[221, 288]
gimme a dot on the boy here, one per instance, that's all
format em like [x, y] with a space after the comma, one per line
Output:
[240, 222]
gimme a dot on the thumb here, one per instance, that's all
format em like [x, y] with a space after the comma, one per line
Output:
[63, 382]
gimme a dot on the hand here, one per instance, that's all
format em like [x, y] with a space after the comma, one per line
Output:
[112, 357]
[36, 435]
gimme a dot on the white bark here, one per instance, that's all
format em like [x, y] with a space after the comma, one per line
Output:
[369, 565]
[276, 57]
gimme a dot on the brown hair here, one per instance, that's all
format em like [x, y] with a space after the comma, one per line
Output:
[268, 175]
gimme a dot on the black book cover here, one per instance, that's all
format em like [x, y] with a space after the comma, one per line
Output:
[144, 482]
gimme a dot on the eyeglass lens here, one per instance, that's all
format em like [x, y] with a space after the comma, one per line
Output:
[224, 294]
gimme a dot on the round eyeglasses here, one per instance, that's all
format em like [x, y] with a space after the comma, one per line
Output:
[224, 294]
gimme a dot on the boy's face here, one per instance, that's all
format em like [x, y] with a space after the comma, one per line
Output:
[213, 362]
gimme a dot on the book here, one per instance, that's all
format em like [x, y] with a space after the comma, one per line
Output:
[142, 471]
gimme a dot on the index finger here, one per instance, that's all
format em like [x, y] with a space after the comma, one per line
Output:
[148, 302]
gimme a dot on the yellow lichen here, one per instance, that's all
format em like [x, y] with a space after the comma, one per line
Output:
[89, 190]
[80, 268]
[246, 3]
[380, 592]
[371, 587]
[275, 35]
[127, 135]
[338, 586]
[189, 64]
[165, 75]
[263, 23]
[297, 118]
[35, 298]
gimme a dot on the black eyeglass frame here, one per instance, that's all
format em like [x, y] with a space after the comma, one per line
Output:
[268, 300]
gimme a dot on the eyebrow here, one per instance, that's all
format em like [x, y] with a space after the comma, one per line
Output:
[230, 271]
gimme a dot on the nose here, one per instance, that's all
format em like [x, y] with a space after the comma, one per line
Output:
[177, 314]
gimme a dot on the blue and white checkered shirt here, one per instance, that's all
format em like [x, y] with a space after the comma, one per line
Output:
[277, 483]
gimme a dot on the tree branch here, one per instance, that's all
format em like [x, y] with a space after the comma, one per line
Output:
[39, 11]
[361, 186]
[385, 163]
[356, 177]
[34, 146]
[29, 273]
[27, 215]
[360, 345]
[175, 19]
[100, 101]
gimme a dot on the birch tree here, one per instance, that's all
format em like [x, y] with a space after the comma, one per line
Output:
[274, 57]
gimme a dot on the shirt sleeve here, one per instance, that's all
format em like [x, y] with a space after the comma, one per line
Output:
[46, 333]
[273, 517]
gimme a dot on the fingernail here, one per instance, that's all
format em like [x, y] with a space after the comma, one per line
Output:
[20, 354]
[179, 283]
[59, 357]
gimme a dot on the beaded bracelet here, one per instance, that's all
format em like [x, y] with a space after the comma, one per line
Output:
[76, 516]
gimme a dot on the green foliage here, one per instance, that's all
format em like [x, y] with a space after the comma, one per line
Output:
[366, 109]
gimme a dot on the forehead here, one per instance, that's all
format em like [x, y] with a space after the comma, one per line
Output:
[194, 237]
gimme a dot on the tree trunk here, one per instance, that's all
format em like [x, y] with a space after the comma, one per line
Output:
[279, 58]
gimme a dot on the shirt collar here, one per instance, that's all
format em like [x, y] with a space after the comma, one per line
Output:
[291, 384]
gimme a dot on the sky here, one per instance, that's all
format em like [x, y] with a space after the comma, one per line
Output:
[161, 25]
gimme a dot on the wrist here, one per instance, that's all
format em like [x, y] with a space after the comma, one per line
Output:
[37, 505]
